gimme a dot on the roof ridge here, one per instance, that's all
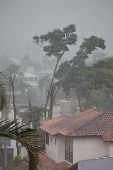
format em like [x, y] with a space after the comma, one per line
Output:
[55, 118]
[87, 123]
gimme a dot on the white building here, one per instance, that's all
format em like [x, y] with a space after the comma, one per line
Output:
[45, 73]
[86, 135]
[30, 79]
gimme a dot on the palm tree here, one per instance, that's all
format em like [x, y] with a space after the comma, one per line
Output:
[29, 138]
[13, 129]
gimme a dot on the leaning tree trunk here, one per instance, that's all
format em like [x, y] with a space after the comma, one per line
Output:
[51, 101]
[87, 100]
[50, 89]
[78, 99]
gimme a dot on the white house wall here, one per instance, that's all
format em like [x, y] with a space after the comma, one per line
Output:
[61, 148]
[89, 148]
[111, 149]
[56, 152]
[52, 149]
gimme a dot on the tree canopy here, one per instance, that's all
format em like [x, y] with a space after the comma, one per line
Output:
[75, 74]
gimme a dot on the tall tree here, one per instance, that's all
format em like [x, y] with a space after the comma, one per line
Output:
[35, 116]
[56, 43]
[71, 73]
[29, 138]
[10, 75]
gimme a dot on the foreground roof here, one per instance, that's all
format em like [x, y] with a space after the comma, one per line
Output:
[87, 123]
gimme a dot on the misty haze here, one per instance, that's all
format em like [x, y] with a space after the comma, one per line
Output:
[56, 85]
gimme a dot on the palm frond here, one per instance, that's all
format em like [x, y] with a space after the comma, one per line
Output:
[29, 138]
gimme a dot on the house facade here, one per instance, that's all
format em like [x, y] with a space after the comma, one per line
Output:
[30, 79]
[86, 135]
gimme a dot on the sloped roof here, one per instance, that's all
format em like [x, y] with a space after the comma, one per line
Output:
[22, 166]
[88, 123]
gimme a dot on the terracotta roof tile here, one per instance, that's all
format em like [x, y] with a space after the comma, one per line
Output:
[100, 126]
[48, 164]
[52, 126]
[22, 166]
[88, 123]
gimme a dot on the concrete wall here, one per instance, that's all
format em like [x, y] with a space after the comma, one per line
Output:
[89, 148]
[111, 149]
[13, 145]
[83, 148]
[56, 151]
[96, 164]
[52, 149]
[23, 152]
[61, 148]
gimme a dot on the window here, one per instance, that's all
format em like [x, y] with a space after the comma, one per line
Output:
[51, 139]
[55, 141]
[47, 138]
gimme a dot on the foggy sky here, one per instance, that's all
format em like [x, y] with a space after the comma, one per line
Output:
[20, 20]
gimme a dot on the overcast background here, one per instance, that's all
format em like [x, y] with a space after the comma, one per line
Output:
[20, 20]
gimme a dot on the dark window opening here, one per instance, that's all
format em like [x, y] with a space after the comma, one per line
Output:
[47, 138]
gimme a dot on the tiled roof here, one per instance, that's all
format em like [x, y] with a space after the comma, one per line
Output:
[88, 123]
[46, 125]
[46, 164]
[100, 126]
[22, 166]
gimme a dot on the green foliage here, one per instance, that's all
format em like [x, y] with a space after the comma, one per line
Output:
[29, 138]
[17, 160]
[106, 63]
[95, 56]
[91, 44]
[57, 41]
[80, 77]
[5, 62]
[44, 82]
[35, 115]
[13, 69]
[100, 77]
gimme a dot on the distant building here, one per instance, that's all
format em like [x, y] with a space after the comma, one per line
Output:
[45, 73]
[30, 79]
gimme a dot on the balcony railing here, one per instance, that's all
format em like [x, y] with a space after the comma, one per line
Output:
[69, 156]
